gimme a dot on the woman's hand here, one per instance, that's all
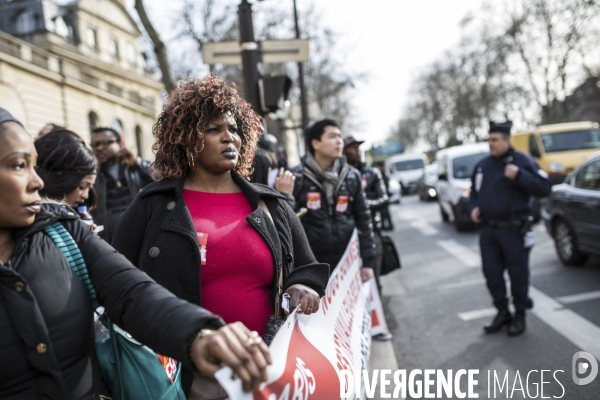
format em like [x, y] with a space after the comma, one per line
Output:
[285, 182]
[366, 273]
[304, 296]
[238, 348]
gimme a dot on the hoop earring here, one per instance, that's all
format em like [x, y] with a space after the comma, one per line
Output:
[190, 161]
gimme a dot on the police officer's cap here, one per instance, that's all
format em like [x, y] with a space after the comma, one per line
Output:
[501, 127]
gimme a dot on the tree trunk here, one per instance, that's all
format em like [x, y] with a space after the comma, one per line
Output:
[159, 47]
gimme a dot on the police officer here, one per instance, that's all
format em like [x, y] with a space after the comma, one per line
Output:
[503, 184]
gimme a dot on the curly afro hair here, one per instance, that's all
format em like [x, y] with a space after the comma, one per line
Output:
[188, 110]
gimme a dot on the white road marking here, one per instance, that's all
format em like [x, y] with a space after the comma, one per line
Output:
[572, 326]
[463, 253]
[476, 314]
[417, 222]
[578, 330]
[576, 298]
[424, 228]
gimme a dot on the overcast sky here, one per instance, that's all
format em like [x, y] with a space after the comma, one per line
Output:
[390, 39]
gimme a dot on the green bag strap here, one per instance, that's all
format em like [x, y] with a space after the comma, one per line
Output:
[65, 243]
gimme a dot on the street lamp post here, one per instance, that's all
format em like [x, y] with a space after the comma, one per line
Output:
[250, 56]
[303, 101]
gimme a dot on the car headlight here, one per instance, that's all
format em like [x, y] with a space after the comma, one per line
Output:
[556, 167]
[431, 192]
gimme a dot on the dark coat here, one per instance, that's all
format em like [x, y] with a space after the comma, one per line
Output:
[498, 197]
[157, 234]
[46, 320]
[136, 177]
[375, 190]
[329, 231]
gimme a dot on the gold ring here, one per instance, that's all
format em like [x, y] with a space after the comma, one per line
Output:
[253, 339]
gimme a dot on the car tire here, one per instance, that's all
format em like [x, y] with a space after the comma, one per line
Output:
[459, 225]
[445, 216]
[565, 243]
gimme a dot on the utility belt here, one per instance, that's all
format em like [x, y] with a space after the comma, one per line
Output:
[524, 223]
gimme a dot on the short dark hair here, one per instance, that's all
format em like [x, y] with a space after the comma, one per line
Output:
[316, 131]
[102, 129]
[63, 161]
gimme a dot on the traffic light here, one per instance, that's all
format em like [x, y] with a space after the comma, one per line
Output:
[274, 90]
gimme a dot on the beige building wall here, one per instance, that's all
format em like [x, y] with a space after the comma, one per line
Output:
[55, 81]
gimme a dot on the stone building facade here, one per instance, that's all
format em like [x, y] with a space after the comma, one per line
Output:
[78, 66]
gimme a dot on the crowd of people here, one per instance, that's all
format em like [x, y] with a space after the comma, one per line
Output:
[206, 239]
[189, 241]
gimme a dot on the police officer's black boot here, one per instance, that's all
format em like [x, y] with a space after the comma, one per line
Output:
[501, 319]
[517, 325]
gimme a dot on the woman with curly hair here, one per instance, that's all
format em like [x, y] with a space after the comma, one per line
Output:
[206, 233]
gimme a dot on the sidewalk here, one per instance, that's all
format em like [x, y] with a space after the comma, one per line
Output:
[383, 356]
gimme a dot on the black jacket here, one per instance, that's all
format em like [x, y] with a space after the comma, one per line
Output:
[136, 177]
[157, 234]
[329, 231]
[375, 190]
[497, 196]
[46, 320]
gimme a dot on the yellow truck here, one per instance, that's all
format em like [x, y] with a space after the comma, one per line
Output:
[558, 148]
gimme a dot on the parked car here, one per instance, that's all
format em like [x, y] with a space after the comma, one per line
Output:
[455, 166]
[558, 148]
[406, 169]
[426, 185]
[572, 213]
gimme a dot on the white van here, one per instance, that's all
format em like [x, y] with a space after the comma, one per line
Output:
[406, 169]
[453, 187]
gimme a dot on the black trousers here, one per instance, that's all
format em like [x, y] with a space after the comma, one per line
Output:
[503, 249]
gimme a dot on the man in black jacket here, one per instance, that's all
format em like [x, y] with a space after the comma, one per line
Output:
[331, 191]
[120, 178]
[376, 193]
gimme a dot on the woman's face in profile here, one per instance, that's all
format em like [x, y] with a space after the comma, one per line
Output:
[78, 196]
[222, 144]
[19, 183]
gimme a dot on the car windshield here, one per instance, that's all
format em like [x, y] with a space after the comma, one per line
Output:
[463, 166]
[409, 165]
[575, 140]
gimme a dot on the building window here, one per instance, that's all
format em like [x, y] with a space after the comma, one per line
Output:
[138, 140]
[113, 48]
[131, 54]
[25, 23]
[90, 37]
[93, 121]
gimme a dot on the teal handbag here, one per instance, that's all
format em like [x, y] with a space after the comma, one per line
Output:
[129, 369]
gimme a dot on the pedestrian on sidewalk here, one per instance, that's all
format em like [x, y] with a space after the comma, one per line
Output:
[46, 316]
[207, 234]
[377, 199]
[68, 168]
[331, 191]
[386, 218]
[121, 176]
[503, 184]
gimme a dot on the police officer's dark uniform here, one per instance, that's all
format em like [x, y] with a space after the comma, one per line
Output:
[505, 237]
